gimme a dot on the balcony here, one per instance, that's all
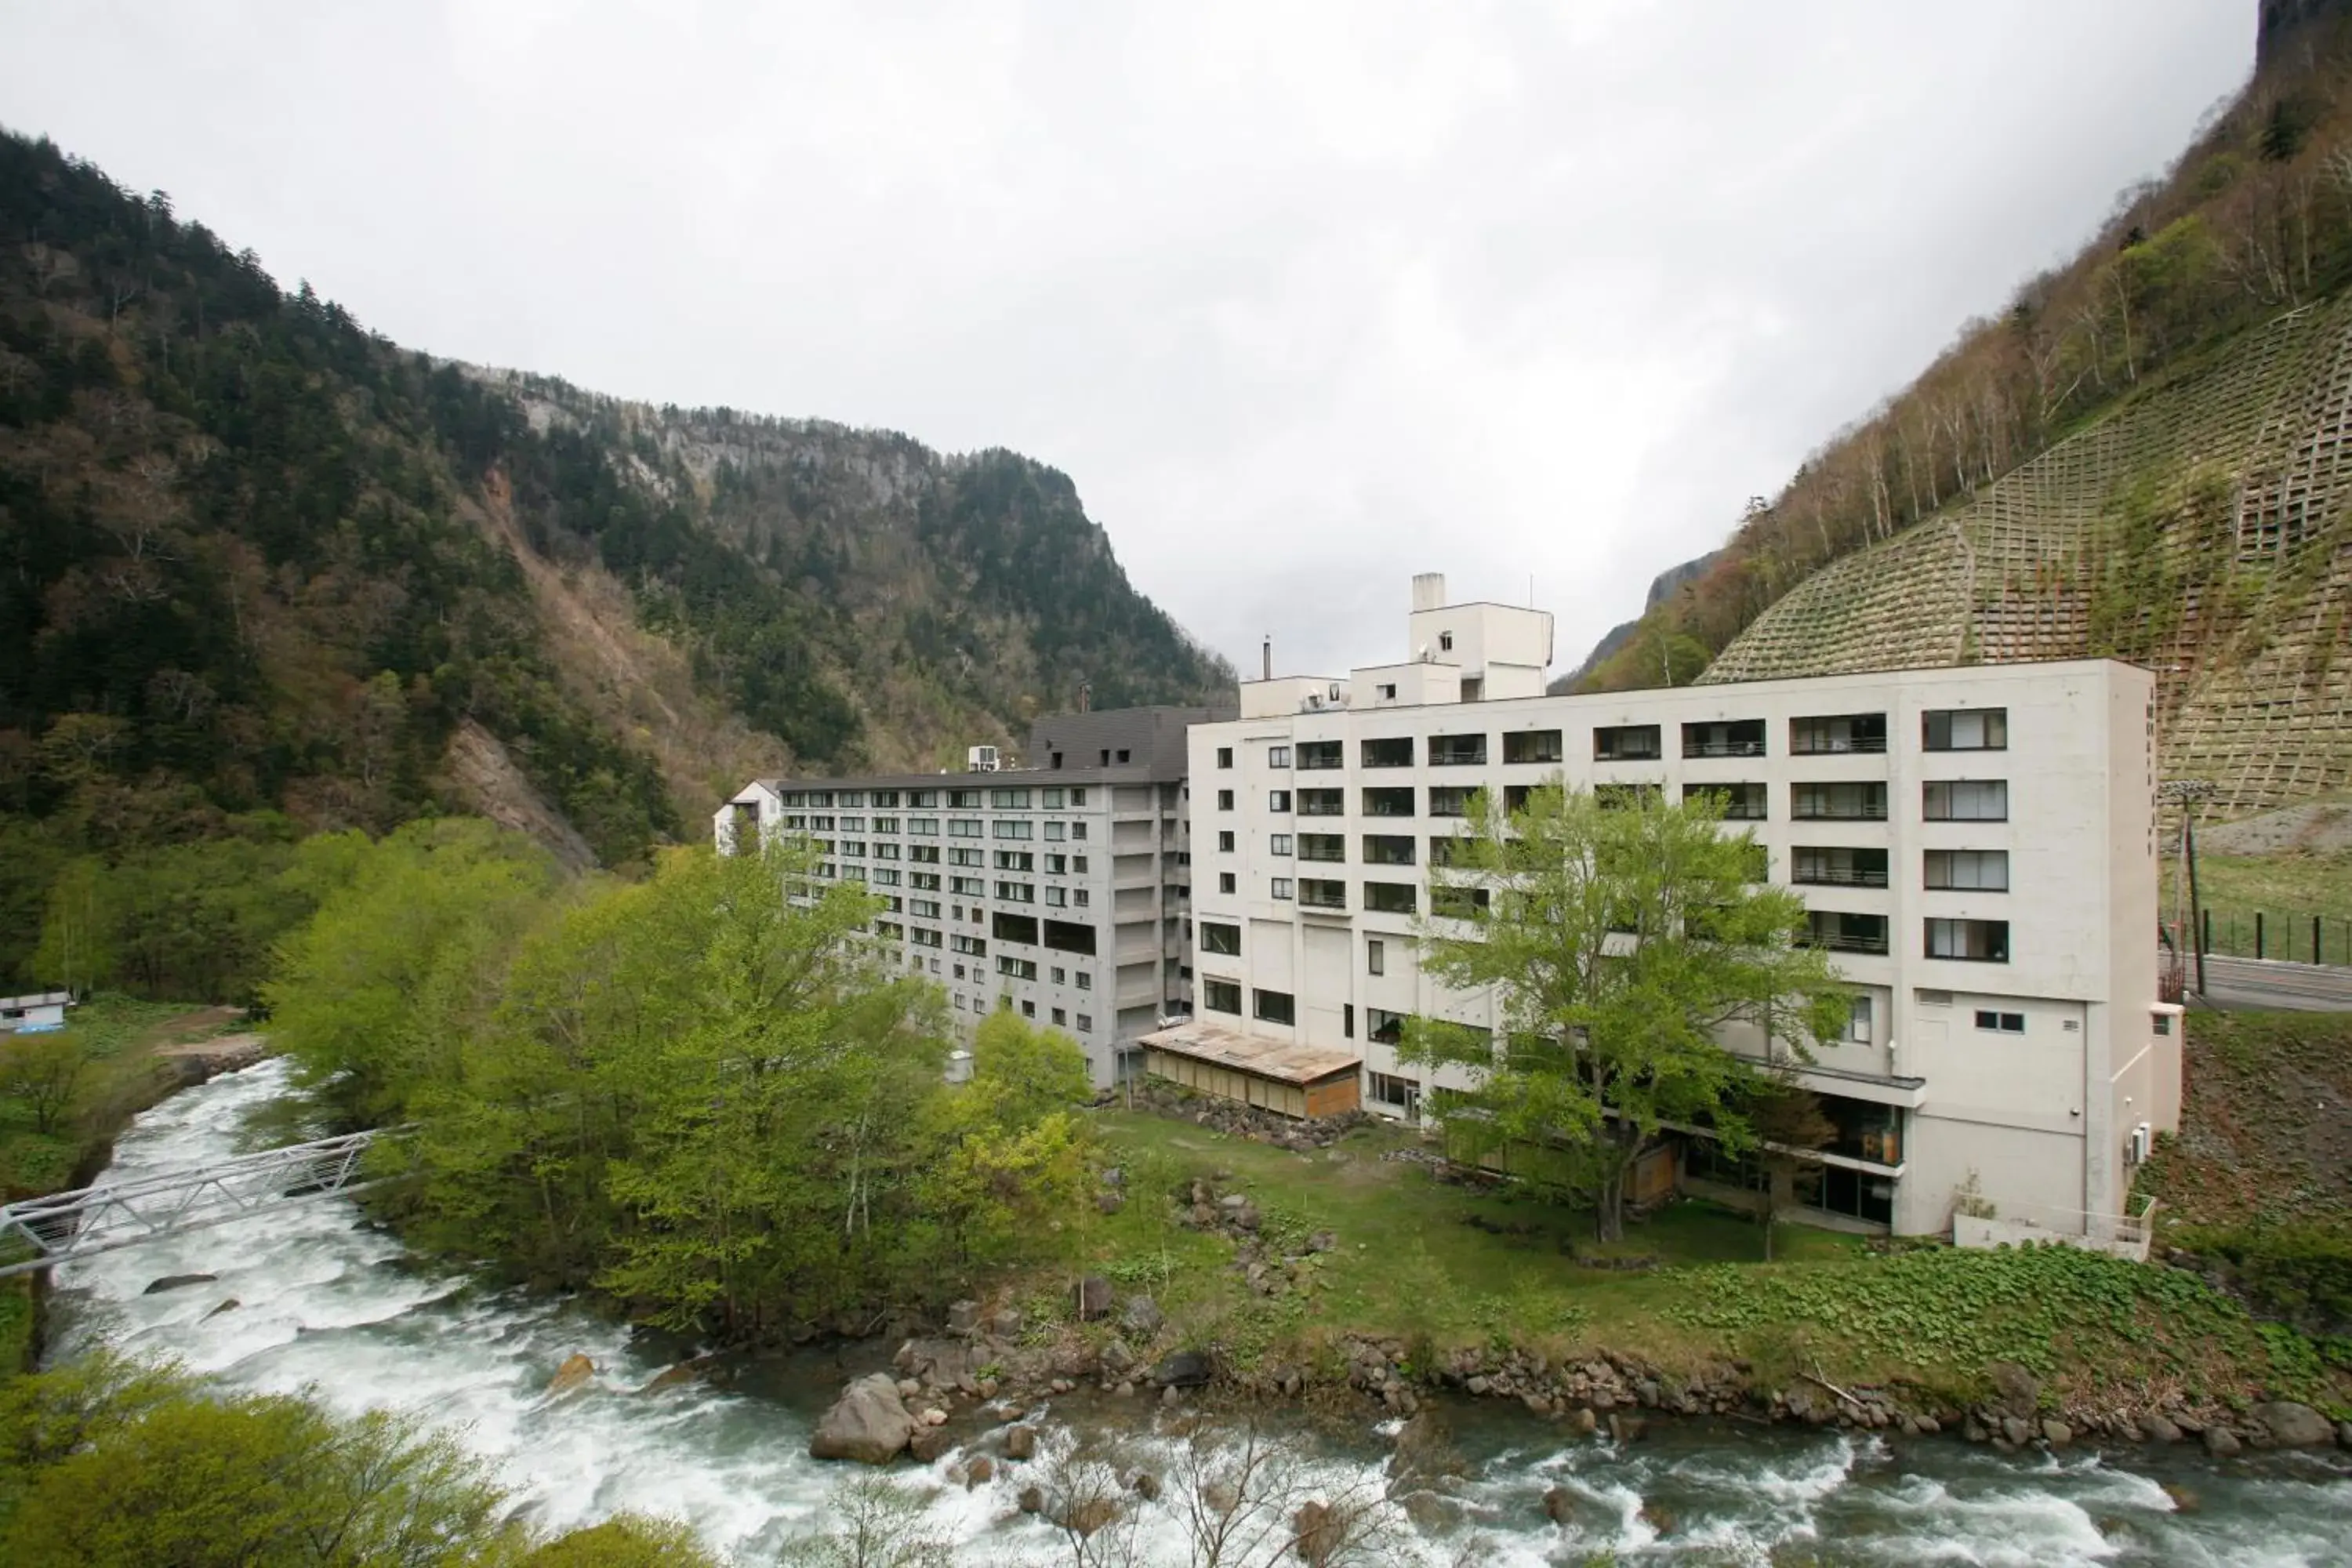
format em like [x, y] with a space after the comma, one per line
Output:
[1738, 738]
[1388, 802]
[1742, 802]
[1837, 733]
[1322, 802]
[1395, 752]
[1838, 802]
[1312, 755]
[1627, 743]
[1839, 867]
[1382, 850]
[1533, 746]
[1457, 751]
[1450, 800]
[1328, 846]
[1841, 933]
[1318, 894]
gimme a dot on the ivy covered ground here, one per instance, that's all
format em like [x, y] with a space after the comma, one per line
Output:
[1444, 1266]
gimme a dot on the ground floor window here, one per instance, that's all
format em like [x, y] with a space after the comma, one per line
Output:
[1857, 1194]
[1397, 1094]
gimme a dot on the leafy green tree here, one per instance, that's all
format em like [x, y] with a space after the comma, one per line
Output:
[77, 948]
[43, 1072]
[374, 996]
[126, 1468]
[871, 1522]
[1620, 936]
[628, 1541]
[1027, 1072]
[1788, 1122]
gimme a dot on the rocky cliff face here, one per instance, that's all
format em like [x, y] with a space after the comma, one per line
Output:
[260, 560]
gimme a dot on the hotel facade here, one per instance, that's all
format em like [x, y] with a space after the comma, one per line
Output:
[1976, 847]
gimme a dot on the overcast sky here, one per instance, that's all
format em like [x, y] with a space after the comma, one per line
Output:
[1305, 298]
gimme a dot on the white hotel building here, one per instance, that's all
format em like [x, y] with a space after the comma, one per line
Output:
[1058, 888]
[1977, 845]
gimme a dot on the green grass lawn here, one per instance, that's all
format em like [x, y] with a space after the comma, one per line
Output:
[121, 1076]
[2288, 889]
[1414, 1255]
[1445, 1266]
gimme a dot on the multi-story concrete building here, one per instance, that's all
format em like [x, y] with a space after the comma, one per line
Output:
[1060, 888]
[1977, 847]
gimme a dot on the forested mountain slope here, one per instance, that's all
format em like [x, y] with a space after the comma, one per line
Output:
[262, 571]
[2137, 457]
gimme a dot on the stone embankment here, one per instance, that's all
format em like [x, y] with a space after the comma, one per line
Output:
[987, 1368]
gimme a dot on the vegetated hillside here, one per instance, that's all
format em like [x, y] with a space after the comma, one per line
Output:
[2184, 278]
[262, 570]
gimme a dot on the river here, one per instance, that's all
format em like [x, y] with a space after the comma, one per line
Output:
[326, 1303]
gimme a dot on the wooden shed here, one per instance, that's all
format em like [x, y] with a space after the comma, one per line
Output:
[1282, 1076]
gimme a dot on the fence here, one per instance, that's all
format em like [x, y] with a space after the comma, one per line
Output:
[2272, 933]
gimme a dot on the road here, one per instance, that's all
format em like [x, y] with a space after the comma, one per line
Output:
[2255, 983]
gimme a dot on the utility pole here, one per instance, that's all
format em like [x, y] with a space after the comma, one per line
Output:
[2185, 794]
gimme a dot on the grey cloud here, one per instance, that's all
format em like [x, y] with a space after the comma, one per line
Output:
[1305, 298]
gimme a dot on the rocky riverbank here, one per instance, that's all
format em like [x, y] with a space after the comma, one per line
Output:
[987, 1364]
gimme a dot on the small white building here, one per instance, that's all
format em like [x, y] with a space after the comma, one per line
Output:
[1977, 847]
[42, 1014]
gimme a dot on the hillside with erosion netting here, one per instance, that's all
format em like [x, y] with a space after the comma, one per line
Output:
[2203, 528]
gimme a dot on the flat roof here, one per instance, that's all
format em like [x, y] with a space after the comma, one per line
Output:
[1289, 1061]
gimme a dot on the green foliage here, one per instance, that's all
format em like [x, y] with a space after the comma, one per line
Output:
[871, 1522]
[375, 994]
[627, 1540]
[1620, 939]
[1028, 1072]
[2301, 1272]
[2048, 1308]
[110, 1465]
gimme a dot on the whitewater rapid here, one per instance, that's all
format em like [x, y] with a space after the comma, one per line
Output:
[327, 1305]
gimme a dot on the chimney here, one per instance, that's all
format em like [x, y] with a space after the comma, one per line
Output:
[1265, 658]
[1428, 591]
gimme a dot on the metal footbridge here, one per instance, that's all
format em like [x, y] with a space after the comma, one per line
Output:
[39, 1232]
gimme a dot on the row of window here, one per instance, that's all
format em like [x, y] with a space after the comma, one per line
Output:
[1056, 799]
[1086, 1021]
[1973, 941]
[1940, 729]
[1057, 830]
[1940, 800]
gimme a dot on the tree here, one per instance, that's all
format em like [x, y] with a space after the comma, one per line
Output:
[872, 1522]
[1621, 937]
[1787, 1124]
[43, 1071]
[1028, 1072]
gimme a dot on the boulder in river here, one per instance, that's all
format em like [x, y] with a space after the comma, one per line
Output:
[1317, 1533]
[177, 1282]
[927, 1443]
[1184, 1369]
[229, 1304]
[2295, 1426]
[1021, 1442]
[868, 1423]
[576, 1370]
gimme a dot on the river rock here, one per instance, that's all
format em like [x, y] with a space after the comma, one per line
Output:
[1316, 1532]
[2154, 1428]
[1143, 1317]
[1021, 1442]
[1559, 1505]
[2057, 1434]
[2016, 1431]
[2295, 1426]
[927, 1443]
[671, 1376]
[1094, 1298]
[177, 1282]
[1184, 1369]
[1032, 1500]
[1624, 1429]
[2344, 1434]
[978, 1470]
[2016, 1391]
[1145, 1485]
[868, 1423]
[1116, 1361]
[1085, 1516]
[1007, 1324]
[229, 1304]
[2221, 1442]
[963, 1317]
[576, 1371]
[1583, 1423]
